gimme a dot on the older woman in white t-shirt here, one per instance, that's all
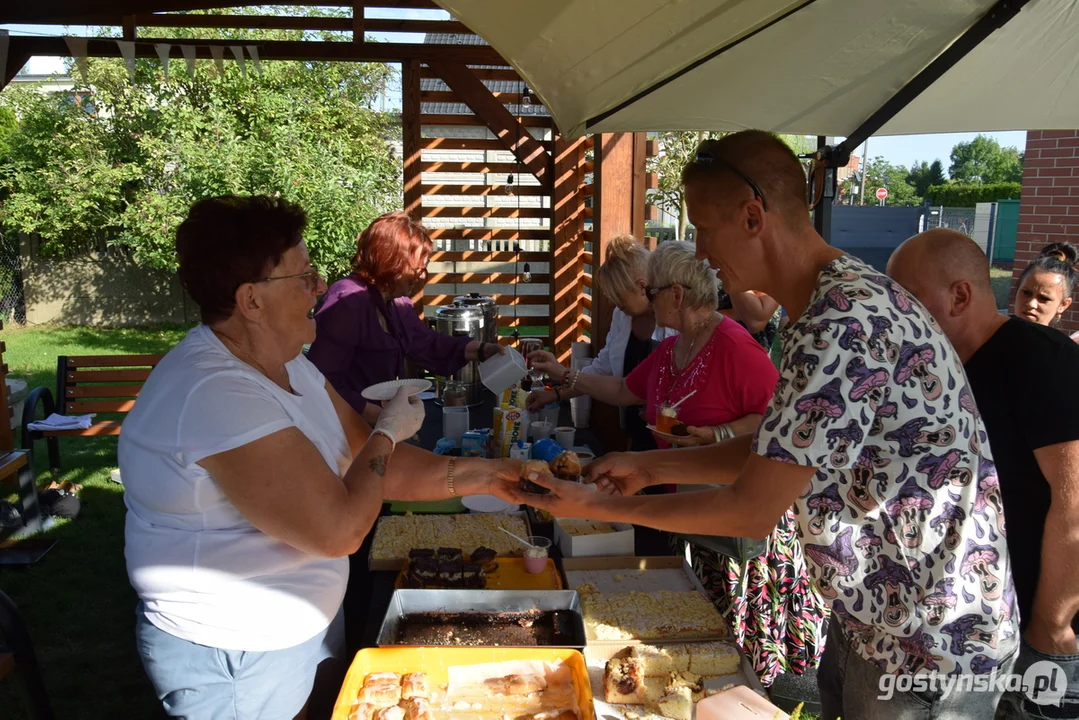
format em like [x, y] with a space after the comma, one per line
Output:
[633, 334]
[249, 480]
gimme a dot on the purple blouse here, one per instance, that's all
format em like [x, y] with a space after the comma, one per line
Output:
[353, 351]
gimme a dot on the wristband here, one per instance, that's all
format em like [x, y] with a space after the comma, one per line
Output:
[558, 394]
[481, 353]
[449, 478]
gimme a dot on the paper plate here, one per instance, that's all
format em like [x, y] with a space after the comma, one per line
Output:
[486, 504]
[681, 440]
[384, 391]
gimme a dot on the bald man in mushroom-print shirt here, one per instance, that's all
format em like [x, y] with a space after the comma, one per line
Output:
[902, 526]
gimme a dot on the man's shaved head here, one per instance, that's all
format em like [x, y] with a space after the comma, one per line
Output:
[949, 274]
[763, 158]
[943, 257]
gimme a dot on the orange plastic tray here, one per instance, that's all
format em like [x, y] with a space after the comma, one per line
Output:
[435, 661]
[511, 575]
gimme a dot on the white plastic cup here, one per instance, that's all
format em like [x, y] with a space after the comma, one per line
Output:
[539, 430]
[550, 414]
[499, 372]
[454, 423]
[564, 437]
[580, 409]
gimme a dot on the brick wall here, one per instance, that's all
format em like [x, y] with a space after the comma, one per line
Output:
[1049, 206]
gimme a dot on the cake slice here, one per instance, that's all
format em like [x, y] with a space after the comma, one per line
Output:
[418, 708]
[390, 713]
[381, 689]
[659, 661]
[676, 703]
[414, 685]
[713, 659]
[623, 682]
[361, 711]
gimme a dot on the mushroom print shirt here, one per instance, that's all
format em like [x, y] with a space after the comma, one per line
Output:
[902, 526]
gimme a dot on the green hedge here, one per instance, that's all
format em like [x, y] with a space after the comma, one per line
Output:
[970, 194]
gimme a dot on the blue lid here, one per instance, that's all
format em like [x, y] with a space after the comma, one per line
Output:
[546, 450]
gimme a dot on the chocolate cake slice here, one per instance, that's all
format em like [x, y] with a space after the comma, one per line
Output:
[450, 574]
[485, 556]
[424, 570]
[472, 576]
[420, 553]
[447, 554]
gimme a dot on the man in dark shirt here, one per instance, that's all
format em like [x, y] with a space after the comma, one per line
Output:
[1025, 380]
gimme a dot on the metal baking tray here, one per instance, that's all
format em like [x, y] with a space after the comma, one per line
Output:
[407, 602]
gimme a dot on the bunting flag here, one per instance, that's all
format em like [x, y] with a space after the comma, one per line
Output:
[163, 53]
[238, 53]
[5, 43]
[77, 47]
[127, 49]
[189, 56]
[219, 59]
[253, 51]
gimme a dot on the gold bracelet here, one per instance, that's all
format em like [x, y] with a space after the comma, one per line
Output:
[449, 478]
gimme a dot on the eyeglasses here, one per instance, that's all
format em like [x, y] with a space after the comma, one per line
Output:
[311, 279]
[651, 292]
[707, 158]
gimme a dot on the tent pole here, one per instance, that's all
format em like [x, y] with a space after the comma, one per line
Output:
[822, 213]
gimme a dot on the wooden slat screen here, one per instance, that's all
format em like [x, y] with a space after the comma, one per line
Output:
[485, 229]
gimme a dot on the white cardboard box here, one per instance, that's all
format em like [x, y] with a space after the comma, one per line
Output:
[619, 543]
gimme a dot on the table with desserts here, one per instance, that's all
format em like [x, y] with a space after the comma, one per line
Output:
[448, 618]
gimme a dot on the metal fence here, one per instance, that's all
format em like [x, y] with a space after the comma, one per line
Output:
[12, 300]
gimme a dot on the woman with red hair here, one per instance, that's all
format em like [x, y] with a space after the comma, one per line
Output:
[367, 325]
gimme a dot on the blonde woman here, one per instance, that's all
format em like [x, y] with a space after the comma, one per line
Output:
[623, 276]
[726, 381]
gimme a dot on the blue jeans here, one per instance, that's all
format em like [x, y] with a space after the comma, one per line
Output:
[850, 687]
[1015, 706]
[196, 681]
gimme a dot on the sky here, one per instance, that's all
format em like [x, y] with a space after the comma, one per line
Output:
[896, 149]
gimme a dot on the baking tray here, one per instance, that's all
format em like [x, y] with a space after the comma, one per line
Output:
[407, 602]
[510, 575]
[436, 661]
[627, 574]
[596, 659]
[619, 575]
[396, 564]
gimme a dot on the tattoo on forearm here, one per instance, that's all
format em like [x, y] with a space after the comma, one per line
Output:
[378, 465]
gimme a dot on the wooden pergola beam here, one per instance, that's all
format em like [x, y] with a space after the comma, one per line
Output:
[511, 132]
[46, 11]
[268, 22]
[307, 50]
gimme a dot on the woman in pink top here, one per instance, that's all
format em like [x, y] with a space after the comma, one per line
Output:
[777, 617]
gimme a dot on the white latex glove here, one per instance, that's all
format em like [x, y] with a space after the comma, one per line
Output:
[401, 417]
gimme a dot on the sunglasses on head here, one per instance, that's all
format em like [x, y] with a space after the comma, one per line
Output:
[707, 158]
[651, 292]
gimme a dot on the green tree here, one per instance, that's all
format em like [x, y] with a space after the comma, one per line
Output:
[924, 175]
[676, 149]
[983, 160]
[127, 172]
[881, 173]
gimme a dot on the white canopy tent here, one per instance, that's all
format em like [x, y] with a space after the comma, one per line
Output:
[820, 67]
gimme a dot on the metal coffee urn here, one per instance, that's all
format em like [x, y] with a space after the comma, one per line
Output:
[490, 313]
[457, 320]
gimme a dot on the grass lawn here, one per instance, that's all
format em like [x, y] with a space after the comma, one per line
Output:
[77, 602]
[1002, 286]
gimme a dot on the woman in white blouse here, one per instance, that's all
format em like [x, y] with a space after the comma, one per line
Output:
[633, 334]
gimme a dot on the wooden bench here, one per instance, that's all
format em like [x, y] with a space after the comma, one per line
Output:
[87, 384]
